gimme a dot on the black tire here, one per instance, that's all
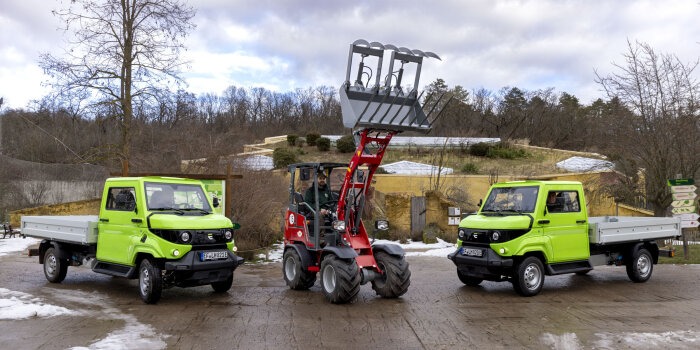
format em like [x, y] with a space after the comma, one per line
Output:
[55, 269]
[529, 277]
[396, 278]
[340, 279]
[469, 280]
[150, 281]
[294, 275]
[583, 273]
[223, 286]
[640, 266]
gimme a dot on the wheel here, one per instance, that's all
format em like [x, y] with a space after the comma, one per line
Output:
[294, 275]
[529, 277]
[469, 280]
[396, 278]
[150, 281]
[223, 286]
[641, 265]
[583, 273]
[340, 279]
[55, 269]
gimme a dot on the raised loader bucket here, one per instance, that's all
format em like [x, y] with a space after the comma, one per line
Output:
[384, 106]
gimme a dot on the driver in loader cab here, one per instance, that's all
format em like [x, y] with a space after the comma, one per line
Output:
[325, 197]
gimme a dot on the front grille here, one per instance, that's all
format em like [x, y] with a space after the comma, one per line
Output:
[199, 238]
[477, 237]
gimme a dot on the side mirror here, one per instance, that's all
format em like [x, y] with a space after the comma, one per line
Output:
[381, 225]
[360, 175]
[236, 226]
[215, 202]
[304, 174]
[481, 202]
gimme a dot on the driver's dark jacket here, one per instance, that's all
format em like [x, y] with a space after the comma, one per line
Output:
[324, 196]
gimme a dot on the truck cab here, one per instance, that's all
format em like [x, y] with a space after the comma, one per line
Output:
[525, 230]
[160, 230]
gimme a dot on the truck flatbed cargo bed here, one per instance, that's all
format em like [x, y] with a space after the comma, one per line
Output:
[79, 229]
[620, 229]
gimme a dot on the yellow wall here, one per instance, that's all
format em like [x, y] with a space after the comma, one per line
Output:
[84, 207]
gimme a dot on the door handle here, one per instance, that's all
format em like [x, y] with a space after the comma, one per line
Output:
[543, 222]
[137, 221]
[580, 221]
[104, 220]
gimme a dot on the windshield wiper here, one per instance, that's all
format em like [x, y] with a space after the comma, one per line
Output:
[198, 209]
[179, 211]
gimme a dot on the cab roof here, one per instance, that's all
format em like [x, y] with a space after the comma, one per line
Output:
[535, 183]
[154, 179]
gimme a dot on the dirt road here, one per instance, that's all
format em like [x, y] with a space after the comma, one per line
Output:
[603, 310]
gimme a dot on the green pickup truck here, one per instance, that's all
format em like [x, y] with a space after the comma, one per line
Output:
[160, 230]
[525, 230]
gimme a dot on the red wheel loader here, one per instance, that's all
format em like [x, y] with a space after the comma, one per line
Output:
[323, 228]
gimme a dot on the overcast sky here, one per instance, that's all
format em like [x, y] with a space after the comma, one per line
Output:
[283, 45]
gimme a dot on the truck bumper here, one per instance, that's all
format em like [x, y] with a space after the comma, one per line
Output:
[190, 270]
[490, 266]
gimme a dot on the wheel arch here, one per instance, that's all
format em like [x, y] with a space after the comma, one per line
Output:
[391, 249]
[303, 253]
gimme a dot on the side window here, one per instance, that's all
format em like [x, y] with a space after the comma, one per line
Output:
[121, 198]
[563, 202]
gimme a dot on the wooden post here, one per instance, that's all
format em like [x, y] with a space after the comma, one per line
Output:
[227, 200]
[125, 168]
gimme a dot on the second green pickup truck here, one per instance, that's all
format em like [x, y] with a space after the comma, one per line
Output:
[528, 229]
[161, 231]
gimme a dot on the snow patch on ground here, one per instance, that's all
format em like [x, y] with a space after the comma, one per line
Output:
[418, 244]
[9, 245]
[405, 167]
[583, 164]
[566, 341]
[673, 339]
[134, 334]
[276, 252]
[17, 305]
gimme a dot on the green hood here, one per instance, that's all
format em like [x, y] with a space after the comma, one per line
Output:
[506, 222]
[169, 221]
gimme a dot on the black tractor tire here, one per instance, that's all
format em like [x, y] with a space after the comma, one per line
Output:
[396, 276]
[55, 269]
[340, 279]
[150, 281]
[640, 266]
[469, 280]
[296, 277]
[528, 278]
[223, 286]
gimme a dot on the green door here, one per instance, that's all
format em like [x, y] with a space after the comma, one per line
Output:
[567, 229]
[117, 232]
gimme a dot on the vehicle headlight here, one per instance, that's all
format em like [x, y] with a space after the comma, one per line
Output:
[495, 236]
[185, 236]
[462, 233]
[339, 225]
[228, 235]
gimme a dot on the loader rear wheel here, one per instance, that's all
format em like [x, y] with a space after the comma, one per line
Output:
[296, 277]
[640, 266]
[55, 269]
[150, 281]
[469, 280]
[396, 276]
[340, 279]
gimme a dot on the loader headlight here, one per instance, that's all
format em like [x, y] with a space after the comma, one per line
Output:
[339, 225]
[185, 236]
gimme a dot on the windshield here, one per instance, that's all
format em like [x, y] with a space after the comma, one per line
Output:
[169, 196]
[512, 199]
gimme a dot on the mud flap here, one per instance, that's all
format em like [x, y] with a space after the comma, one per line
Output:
[391, 249]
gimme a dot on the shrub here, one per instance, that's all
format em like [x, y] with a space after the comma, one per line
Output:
[479, 149]
[381, 170]
[312, 137]
[470, 168]
[345, 144]
[506, 151]
[323, 144]
[282, 157]
[300, 151]
[292, 139]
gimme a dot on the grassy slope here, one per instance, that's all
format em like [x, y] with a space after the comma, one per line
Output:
[540, 162]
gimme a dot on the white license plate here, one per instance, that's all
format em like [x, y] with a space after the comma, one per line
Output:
[219, 255]
[472, 252]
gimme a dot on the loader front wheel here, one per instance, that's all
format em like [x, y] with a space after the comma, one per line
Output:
[340, 279]
[295, 275]
[395, 278]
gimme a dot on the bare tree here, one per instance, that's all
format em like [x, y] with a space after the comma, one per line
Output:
[119, 52]
[664, 137]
